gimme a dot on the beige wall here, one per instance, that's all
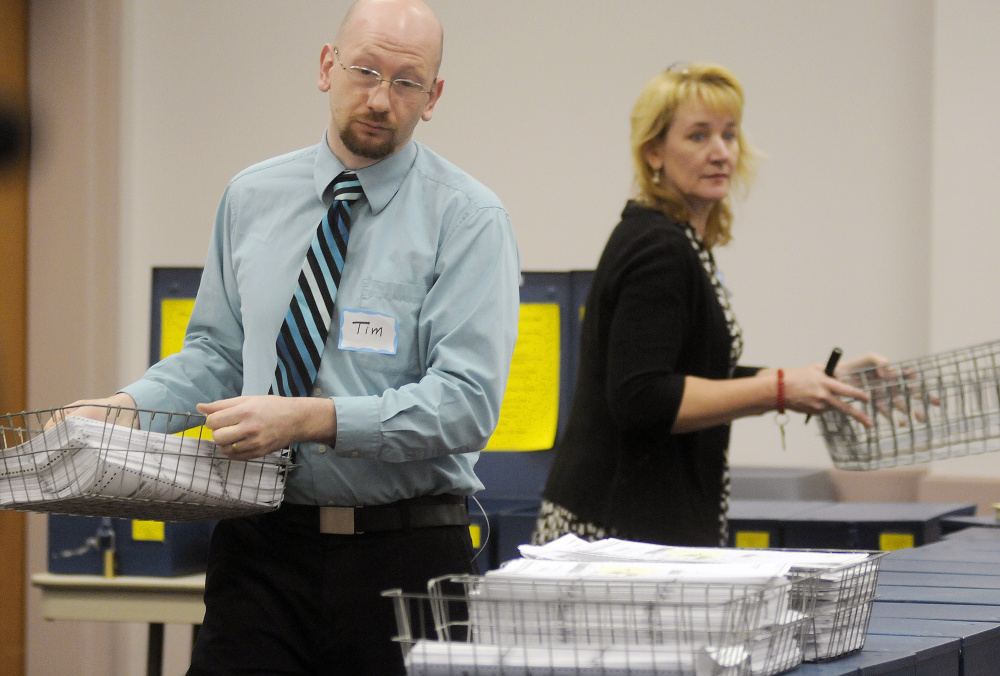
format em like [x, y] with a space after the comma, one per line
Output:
[965, 238]
[73, 264]
[869, 226]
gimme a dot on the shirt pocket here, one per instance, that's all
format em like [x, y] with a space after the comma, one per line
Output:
[402, 302]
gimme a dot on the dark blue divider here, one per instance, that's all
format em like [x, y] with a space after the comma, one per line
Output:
[979, 641]
[894, 656]
[579, 287]
[847, 525]
[766, 520]
[935, 611]
[74, 547]
[941, 598]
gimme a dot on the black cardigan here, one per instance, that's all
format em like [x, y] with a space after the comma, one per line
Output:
[652, 317]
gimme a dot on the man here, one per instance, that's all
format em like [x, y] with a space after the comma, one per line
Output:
[395, 418]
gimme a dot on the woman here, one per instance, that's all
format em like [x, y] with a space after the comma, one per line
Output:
[644, 456]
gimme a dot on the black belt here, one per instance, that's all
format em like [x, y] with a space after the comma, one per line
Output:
[422, 512]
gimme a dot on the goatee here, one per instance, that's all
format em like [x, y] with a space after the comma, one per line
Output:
[371, 150]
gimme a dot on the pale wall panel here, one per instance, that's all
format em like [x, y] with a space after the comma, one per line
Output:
[965, 277]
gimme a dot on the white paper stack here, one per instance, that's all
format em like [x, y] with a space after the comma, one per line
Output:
[840, 585]
[712, 589]
[573, 548]
[79, 459]
[672, 616]
[441, 658]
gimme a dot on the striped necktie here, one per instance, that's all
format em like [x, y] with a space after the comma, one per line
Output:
[307, 323]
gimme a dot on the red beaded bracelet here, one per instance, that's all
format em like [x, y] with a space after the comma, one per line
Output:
[781, 391]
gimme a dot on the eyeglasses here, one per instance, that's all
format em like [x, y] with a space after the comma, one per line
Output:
[367, 78]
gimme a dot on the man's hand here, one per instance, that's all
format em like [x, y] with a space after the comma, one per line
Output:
[250, 427]
[118, 409]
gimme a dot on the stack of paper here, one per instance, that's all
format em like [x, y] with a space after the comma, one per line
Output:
[573, 548]
[441, 658]
[713, 592]
[634, 611]
[777, 648]
[840, 586]
[80, 459]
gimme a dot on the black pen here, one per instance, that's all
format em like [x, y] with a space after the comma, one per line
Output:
[831, 366]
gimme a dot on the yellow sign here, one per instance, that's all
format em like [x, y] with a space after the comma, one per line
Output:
[174, 316]
[175, 313]
[889, 542]
[530, 410]
[751, 539]
[151, 531]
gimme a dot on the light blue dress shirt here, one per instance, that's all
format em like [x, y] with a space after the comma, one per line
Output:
[431, 252]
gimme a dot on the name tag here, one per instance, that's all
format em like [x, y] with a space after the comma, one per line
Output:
[364, 331]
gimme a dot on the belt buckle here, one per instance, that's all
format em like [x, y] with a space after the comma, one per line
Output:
[336, 520]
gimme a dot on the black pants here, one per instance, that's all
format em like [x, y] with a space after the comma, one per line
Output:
[283, 599]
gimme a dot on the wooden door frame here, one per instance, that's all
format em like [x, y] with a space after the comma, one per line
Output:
[13, 320]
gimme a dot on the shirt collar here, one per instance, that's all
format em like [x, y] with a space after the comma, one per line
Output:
[381, 181]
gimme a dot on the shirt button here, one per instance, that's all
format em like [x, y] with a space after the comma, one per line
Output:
[317, 391]
[355, 454]
[321, 448]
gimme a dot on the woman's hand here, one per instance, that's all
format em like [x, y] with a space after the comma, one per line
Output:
[866, 361]
[809, 390]
[888, 389]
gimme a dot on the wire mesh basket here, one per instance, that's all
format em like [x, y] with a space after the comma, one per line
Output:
[833, 589]
[52, 461]
[840, 599]
[942, 406]
[591, 628]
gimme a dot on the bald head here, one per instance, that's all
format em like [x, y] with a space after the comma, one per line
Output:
[394, 41]
[407, 25]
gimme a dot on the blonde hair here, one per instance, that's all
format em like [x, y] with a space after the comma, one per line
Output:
[652, 115]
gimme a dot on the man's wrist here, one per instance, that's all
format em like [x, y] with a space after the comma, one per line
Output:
[319, 420]
[122, 399]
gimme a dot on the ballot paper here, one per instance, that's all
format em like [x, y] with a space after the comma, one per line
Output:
[778, 648]
[709, 586]
[572, 548]
[840, 585]
[440, 658]
[677, 614]
[79, 459]
[634, 581]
